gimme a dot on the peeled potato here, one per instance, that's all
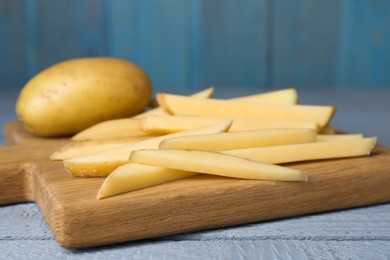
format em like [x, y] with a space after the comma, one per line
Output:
[76, 94]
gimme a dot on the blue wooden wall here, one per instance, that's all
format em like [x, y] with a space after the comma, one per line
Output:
[196, 43]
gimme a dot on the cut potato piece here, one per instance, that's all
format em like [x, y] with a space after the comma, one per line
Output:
[77, 149]
[245, 124]
[122, 180]
[73, 151]
[240, 140]
[103, 163]
[339, 137]
[180, 105]
[116, 128]
[173, 124]
[216, 164]
[306, 152]
[134, 176]
[207, 93]
[278, 97]
[122, 140]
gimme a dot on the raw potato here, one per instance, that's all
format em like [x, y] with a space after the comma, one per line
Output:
[181, 105]
[123, 180]
[338, 137]
[307, 152]
[116, 128]
[240, 140]
[103, 163]
[77, 149]
[207, 93]
[76, 94]
[124, 127]
[278, 97]
[216, 164]
[172, 124]
[134, 176]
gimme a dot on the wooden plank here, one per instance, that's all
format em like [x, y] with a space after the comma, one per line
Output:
[233, 43]
[25, 222]
[218, 249]
[12, 44]
[155, 35]
[198, 203]
[364, 45]
[65, 30]
[305, 42]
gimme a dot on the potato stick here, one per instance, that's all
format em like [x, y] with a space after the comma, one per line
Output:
[308, 151]
[173, 124]
[215, 163]
[128, 139]
[126, 181]
[284, 96]
[207, 93]
[103, 163]
[181, 105]
[134, 176]
[117, 128]
[74, 151]
[240, 140]
[338, 137]
[82, 148]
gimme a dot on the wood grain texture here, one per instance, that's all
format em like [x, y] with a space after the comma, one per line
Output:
[63, 30]
[77, 219]
[305, 42]
[154, 34]
[185, 44]
[364, 57]
[233, 43]
[219, 249]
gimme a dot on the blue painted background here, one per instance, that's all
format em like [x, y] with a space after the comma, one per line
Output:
[196, 43]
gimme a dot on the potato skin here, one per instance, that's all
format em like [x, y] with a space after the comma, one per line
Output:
[76, 94]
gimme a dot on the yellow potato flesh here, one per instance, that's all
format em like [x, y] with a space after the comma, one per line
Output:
[103, 163]
[134, 176]
[77, 149]
[278, 97]
[122, 180]
[216, 164]
[76, 94]
[117, 128]
[181, 105]
[172, 124]
[309, 151]
[338, 137]
[240, 140]
[158, 111]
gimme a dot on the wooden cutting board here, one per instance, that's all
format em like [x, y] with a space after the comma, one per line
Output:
[78, 220]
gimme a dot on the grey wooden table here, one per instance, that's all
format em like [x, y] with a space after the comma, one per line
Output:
[361, 233]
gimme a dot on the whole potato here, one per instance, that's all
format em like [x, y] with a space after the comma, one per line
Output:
[76, 94]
